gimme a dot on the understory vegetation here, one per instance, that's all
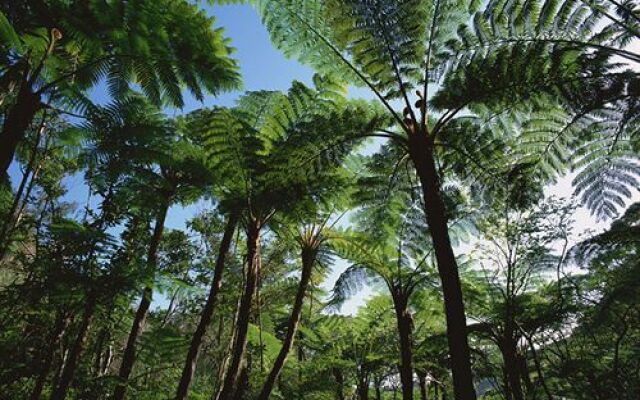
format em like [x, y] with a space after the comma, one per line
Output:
[429, 201]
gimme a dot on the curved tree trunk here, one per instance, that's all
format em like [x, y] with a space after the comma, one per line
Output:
[129, 356]
[422, 379]
[339, 377]
[243, 381]
[405, 328]
[207, 313]
[421, 152]
[69, 369]
[378, 387]
[363, 387]
[538, 365]
[228, 388]
[308, 258]
[226, 354]
[56, 335]
[16, 124]
[10, 221]
[511, 369]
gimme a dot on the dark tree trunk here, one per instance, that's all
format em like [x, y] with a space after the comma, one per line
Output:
[525, 374]
[15, 125]
[339, 377]
[405, 328]
[22, 195]
[244, 311]
[422, 379]
[243, 383]
[511, 368]
[538, 365]
[226, 354]
[378, 388]
[363, 387]
[69, 369]
[129, 356]
[421, 152]
[308, 258]
[56, 335]
[207, 313]
[300, 374]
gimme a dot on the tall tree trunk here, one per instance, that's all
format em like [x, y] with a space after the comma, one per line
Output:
[363, 387]
[536, 360]
[259, 318]
[243, 381]
[405, 328]
[422, 379]
[56, 335]
[69, 369]
[226, 354]
[23, 193]
[15, 125]
[207, 313]
[300, 374]
[511, 368]
[238, 353]
[421, 152]
[339, 377]
[129, 356]
[378, 387]
[308, 259]
[7, 224]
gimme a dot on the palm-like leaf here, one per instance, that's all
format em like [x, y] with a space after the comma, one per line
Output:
[276, 148]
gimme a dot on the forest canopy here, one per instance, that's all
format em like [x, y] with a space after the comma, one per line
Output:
[415, 171]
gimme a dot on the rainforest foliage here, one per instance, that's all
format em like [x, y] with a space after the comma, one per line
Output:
[433, 194]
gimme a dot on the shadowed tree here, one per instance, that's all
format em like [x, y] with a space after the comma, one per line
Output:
[401, 268]
[173, 171]
[279, 152]
[516, 259]
[53, 51]
[311, 240]
[397, 48]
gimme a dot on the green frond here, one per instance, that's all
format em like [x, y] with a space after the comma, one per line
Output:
[8, 36]
[605, 184]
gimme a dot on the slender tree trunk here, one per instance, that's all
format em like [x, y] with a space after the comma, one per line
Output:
[525, 374]
[259, 315]
[405, 328]
[378, 388]
[421, 152]
[56, 335]
[511, 368]
[207, 313]
[339, 377]
[102, 338]
[69, 369]
[536, 361]
[15, 125]
[226, 354]
[8, 223]
[22, 195]
[243, 382]
[129, 356]
[300, 375]
[244, 311]
[363, 387]
[308, 258]
[422, 379]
